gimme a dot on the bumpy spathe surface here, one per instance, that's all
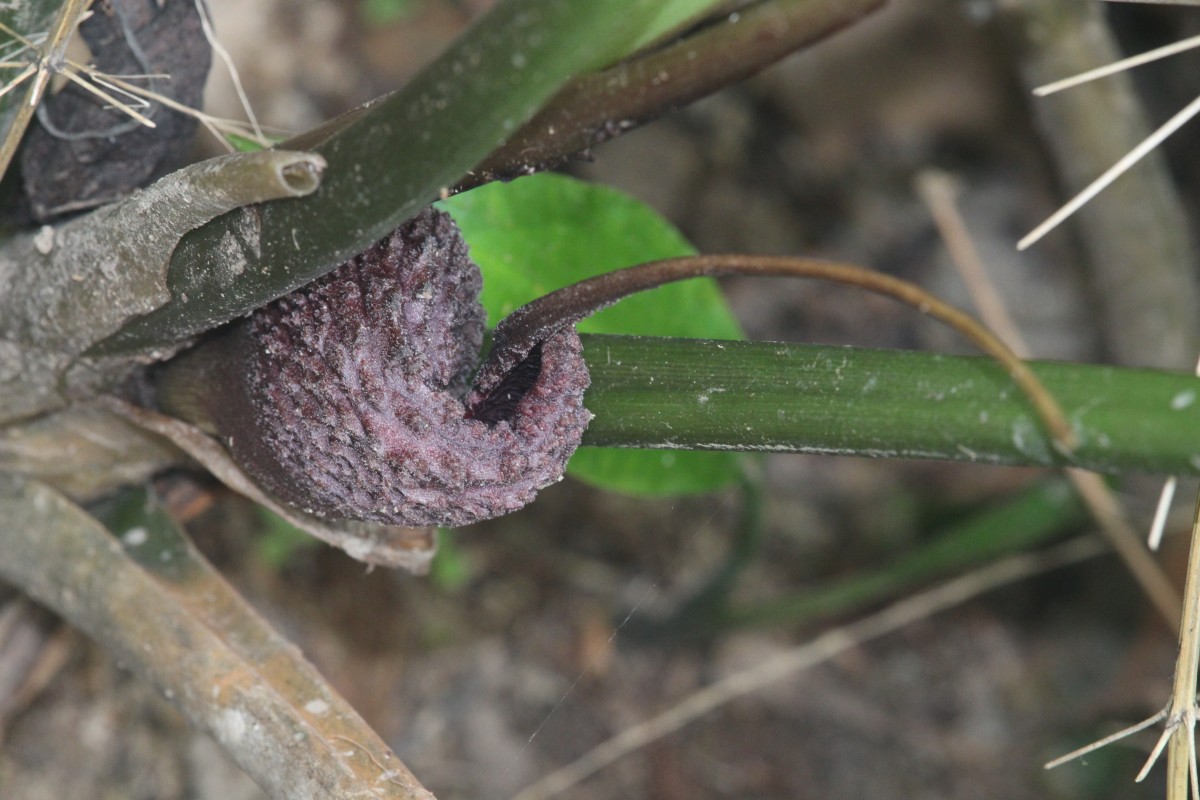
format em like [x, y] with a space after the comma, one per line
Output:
[357, 383]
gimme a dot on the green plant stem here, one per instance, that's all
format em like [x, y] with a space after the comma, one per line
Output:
[517, 334]
[694, 394]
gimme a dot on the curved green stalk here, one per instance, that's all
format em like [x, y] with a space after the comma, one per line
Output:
[694, 394]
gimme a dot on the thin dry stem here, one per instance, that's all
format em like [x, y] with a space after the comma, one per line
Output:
[124, 108]
[937, 192]
[1179, 735]
[17, 81]
[215, 125]
[825, 647]
[218, 48]
[1107, 740]
[1181, 753]
[27, 43]
[1155, 753]
[1127, 541]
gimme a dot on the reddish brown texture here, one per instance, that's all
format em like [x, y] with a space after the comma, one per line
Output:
[356, 387]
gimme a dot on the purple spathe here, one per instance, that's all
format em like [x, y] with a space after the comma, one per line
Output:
[357, 387]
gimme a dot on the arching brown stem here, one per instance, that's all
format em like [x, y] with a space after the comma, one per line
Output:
[529, 325]
[599, 106]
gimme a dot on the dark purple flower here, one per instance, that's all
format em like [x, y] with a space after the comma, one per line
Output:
[350, 400]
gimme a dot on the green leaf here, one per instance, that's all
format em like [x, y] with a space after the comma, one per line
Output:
[546, 231]
[654, 472]
[146, 530]
[675, 15]
[376, 13]
[245, 144]
[451, 569]
[543, 232]
[279, 539]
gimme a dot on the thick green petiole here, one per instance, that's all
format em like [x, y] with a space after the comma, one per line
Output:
[693, 394]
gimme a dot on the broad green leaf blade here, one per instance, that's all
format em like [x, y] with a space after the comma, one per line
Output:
[546, 231]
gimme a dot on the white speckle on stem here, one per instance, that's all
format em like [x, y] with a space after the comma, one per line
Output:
[1028, 440]
[135, 537]
[43, 241]
[231, 726]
